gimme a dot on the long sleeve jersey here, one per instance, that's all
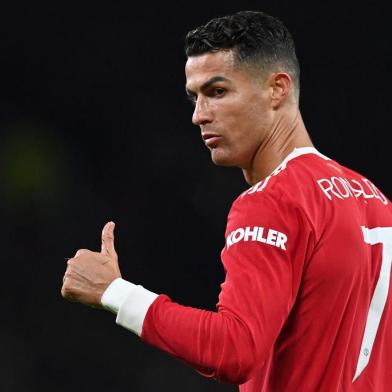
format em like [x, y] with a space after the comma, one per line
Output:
[306, 303]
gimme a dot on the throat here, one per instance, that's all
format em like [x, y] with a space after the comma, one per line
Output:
[282, 139]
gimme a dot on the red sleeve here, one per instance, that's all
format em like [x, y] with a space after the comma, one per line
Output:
[262, 280]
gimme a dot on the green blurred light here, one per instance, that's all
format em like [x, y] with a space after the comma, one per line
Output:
[31, 163]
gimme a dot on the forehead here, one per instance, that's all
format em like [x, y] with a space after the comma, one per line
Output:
[200, 68]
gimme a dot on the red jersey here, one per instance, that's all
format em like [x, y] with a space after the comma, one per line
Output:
[306, 304]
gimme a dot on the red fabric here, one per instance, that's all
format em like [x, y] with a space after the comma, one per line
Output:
[290, 317]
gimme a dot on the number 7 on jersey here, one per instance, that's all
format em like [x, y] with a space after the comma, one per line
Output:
[378, 235]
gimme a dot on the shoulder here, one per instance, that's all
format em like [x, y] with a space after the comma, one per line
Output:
[291, 182]
[290, 197]
[286, 198]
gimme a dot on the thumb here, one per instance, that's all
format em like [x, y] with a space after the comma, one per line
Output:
[108, 239]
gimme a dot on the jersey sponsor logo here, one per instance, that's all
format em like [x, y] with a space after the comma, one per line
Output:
[259, 234]
[343, 188]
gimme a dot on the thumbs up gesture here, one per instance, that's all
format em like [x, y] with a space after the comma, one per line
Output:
[89, 273]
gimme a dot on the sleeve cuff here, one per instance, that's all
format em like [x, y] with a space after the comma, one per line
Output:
[130, 302]
[116, 293]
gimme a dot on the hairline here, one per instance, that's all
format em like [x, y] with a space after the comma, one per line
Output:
[256, 66]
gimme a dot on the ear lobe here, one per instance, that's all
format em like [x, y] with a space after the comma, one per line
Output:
[281, 84]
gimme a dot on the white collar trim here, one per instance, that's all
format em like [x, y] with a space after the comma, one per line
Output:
[302, 151]
[294, 154]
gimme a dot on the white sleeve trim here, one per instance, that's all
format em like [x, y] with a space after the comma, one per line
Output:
[134, 309]
[116, 293]
[130, 302]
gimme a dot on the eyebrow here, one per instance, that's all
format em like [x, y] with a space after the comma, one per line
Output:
[207, 84]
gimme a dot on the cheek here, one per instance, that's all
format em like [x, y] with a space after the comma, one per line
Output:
[242, 118]
[248, 109]
[247, 127]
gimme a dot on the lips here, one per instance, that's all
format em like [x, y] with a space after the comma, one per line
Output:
[211, 139]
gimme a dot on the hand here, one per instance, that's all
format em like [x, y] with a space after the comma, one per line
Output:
[89, 273]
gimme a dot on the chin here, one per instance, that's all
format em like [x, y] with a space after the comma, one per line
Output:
[219, 158]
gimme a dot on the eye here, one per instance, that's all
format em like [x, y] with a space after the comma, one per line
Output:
[219, 91]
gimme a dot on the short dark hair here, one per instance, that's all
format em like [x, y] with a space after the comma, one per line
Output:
[255, 37]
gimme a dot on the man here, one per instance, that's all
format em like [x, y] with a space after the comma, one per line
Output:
[306, 304]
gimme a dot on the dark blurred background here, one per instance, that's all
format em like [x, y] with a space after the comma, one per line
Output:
[94, 126]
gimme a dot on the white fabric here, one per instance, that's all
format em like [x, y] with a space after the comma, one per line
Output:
[298, 152]
[131, 303]
[116, 293]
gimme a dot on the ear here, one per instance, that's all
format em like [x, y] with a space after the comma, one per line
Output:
[281, 85]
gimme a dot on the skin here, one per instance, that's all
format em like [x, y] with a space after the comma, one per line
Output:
[255, 116]
[89, 273]
[248, 119]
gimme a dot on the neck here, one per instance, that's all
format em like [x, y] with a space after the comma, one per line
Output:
[287, 133]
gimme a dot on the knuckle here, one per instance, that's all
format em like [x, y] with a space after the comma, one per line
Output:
[65, 290]
[81, 252]
[67, 280]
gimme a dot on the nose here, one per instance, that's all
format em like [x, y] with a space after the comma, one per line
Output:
[202, 113]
